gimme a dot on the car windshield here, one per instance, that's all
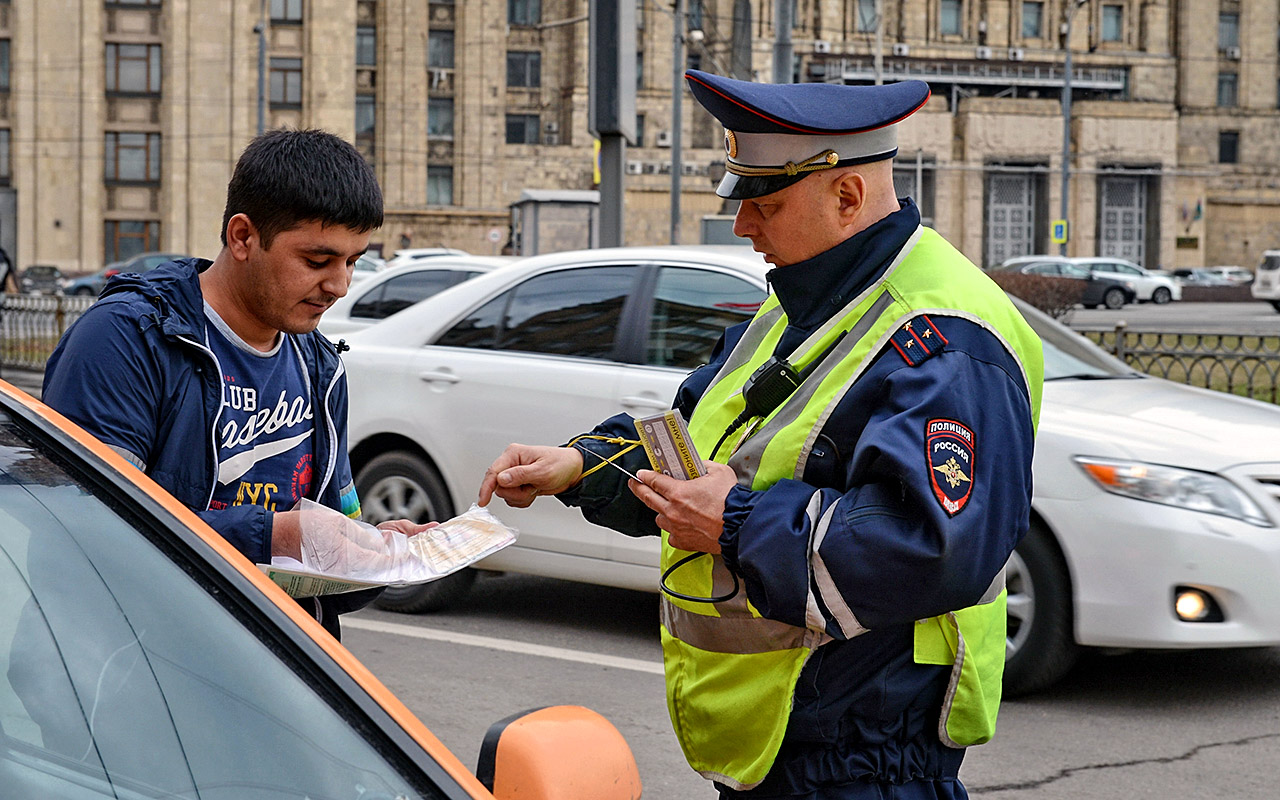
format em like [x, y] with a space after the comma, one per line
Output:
[1067, 354]
[122, 675]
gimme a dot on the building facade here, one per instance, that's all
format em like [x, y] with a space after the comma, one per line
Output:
[120, 120]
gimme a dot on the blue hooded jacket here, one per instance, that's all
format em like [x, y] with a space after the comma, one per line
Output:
[134, 372]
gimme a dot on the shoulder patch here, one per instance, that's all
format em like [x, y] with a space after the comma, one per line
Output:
[917, 340]
[949, 455]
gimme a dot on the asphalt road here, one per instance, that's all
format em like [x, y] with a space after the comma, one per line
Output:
[1255, 317]
[1131, 725]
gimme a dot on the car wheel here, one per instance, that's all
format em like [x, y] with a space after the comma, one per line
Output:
[1161, 296]
[1040, 646]
[400, 485]
[1113, 298]
[1275, 304]
[83, 291]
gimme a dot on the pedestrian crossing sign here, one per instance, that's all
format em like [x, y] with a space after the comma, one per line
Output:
[1059, 234]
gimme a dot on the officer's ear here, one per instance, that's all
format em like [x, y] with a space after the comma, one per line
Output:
[851, 193]
[242, 235]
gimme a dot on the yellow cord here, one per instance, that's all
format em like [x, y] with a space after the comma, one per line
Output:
[634, 443]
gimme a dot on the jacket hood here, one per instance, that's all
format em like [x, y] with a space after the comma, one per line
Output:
[173, 288]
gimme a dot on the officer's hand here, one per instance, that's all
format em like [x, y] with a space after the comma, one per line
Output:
[524, 471]
[691, 512]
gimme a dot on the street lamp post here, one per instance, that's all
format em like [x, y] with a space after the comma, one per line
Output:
[1066, 119]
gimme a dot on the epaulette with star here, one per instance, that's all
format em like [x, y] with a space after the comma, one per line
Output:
[917, 340]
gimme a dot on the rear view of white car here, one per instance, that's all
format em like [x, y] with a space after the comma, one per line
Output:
[1266, 283]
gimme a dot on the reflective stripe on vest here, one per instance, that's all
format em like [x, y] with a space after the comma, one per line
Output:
[731, 674]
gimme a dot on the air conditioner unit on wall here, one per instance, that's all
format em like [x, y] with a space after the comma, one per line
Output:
[1017, 54]
[982, 52]
[664, 139]
[821, 46]
[901, 49]
[635, 167]
[1233, 53]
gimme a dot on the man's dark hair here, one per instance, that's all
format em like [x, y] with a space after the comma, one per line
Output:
[286, 178]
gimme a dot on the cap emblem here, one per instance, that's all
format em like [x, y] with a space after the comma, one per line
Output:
[730, 144]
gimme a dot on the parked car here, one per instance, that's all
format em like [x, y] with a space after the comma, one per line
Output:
[1148, 285]
[1266, 286]
[1156, 507]
[92, 285]
[1235, 275]
[41, 279]
[1098, 290]
[1200, 276]
[396, 288]
[366, 266]
[144, 657]
[409, 255]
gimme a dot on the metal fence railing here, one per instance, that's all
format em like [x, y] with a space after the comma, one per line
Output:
[31, 324]
[1239, 363]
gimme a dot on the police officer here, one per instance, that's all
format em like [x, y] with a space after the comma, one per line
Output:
[833, 608]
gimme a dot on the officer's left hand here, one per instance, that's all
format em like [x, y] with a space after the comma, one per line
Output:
[691, 512]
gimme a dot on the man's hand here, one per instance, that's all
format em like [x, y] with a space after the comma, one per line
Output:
[286, 534]
[691, 512]
[406, 526]
[524, 471]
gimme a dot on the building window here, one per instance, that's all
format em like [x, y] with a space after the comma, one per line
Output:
[286, 82]
[522, 128]
[127, 238]
[1228, 147]
[1112, 23]
[1228, 96]
[440, 49]
[639, 70]
[4, 65]
[693, 61]
[866, 16]
[905, 185]
[366, 46]
[949, 17]
[1032, 20]
[1228, 31]
[440, 117]
[439, 186]
[524, 12]
[133, 68]
[366, 118]
[694, 15]
[132, 157]
[6, 168]
[133, 2]
[288, 11]
[524, 70]
[639, 130]
[640, 4]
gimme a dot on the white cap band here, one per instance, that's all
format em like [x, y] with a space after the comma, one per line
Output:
[776, 149]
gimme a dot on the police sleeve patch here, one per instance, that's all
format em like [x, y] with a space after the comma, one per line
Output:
[949, 450]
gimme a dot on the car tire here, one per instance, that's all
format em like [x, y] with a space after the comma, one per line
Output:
[83, 291]
[1114, 298]
[1040, 645]
[400, 485]
[1161, 296]
[1275, 304]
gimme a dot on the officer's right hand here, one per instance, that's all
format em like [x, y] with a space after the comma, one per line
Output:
[524, 471]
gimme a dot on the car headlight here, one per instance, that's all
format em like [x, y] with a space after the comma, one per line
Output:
[1181, 488]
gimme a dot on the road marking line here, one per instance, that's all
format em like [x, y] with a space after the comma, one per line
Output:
[413, 631]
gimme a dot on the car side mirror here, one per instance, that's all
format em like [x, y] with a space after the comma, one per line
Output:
[557, 753]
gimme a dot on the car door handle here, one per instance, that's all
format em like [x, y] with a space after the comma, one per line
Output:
[640, 401]
[438, 376]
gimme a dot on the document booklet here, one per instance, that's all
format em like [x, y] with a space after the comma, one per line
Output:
[666, 439]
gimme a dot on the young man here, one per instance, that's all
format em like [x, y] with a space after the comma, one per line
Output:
[210, 377]
[868, 437]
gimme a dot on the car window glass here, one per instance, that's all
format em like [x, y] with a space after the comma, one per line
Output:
[691, 308]
[367, 306]
[479, 328]
[121, 676]
[404, 290]
[571, 312]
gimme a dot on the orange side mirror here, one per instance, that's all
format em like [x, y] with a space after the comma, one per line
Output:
[558, 753]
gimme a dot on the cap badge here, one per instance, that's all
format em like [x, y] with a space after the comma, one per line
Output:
[730, 144]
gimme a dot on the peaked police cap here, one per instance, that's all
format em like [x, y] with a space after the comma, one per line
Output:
[776, 133]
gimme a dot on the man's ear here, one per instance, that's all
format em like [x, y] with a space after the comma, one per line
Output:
[241, 236]
[851, 189]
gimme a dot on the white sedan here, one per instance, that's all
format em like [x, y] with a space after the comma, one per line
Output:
[1155, 508]
[389, 290]
[1148, 286]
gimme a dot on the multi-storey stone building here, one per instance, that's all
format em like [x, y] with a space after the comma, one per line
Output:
[120, 120]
